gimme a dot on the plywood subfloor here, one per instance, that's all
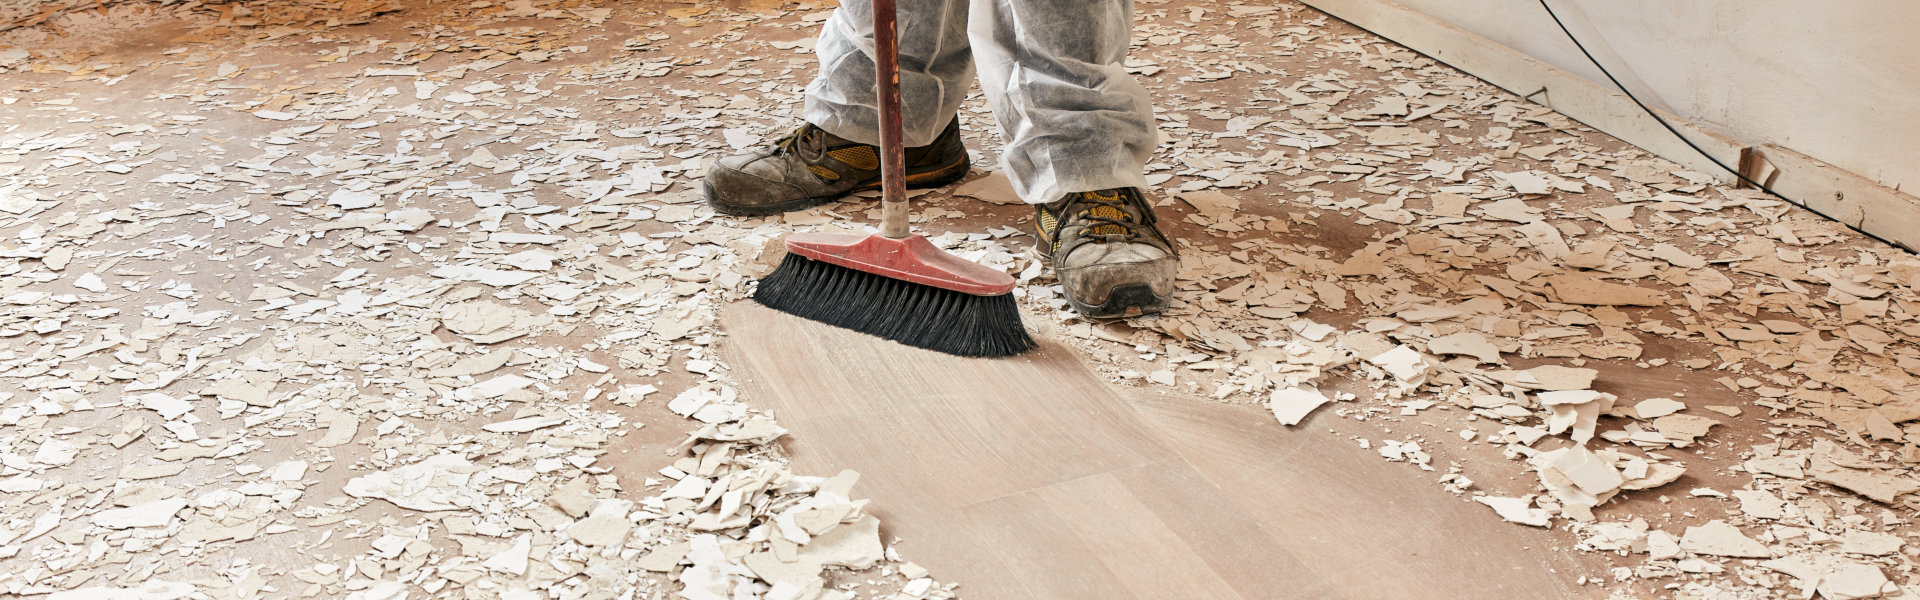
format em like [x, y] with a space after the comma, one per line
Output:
[1029, 478]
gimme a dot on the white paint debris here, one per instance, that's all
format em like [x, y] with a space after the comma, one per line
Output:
[437, 483]
[352, 200]
[1292, 404]
[152, 514]
[514, 559]
[1516, 510]
[169, 407]
[1718, 538]
[605, 525]
[147, 590]
[1654, 408]
[523, 425]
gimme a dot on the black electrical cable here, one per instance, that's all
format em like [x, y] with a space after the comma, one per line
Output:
[1676, 132]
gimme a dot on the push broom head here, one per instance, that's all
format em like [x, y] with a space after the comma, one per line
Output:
[905, 290]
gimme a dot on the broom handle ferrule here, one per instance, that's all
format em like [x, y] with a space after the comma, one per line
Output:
[886, 64]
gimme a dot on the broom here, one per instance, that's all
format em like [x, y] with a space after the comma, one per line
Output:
[894, 284]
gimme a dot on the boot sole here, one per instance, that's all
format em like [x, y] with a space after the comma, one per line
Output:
[1129, 300]
[925, 179]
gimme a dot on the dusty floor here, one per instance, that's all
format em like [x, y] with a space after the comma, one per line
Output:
[405, 298]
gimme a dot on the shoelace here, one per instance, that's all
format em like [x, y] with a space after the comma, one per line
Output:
[1115, 220]
[803, 138]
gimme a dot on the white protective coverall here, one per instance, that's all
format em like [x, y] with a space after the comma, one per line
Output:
[1072, 119]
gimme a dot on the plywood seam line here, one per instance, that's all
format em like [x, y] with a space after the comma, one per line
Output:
[1131, 496]
[1161, 436]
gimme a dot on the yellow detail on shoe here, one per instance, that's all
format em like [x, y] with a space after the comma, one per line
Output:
[859, 157]
[1107, 212]
[919, 177]
[1110, 213]
[1046, 223]
[824, 173]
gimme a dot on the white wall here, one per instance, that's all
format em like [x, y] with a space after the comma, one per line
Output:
[1837, 80]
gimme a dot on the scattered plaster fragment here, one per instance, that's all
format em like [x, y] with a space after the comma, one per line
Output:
[152, 514]
[1718, 538]
[1517, 510]
[524, 424]
[1654, 408]
[1292, 404]
[437, 483]
[1466, 343]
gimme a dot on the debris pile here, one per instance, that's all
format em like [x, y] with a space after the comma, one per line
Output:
[405, 336]
[1498, 254]
[332, 300]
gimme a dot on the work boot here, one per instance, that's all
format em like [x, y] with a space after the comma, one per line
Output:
[811, 167]
[1107, 254]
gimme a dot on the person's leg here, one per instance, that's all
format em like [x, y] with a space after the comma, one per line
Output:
[936, 69]
[833, 153]
[1078, 135]
[1073, 120]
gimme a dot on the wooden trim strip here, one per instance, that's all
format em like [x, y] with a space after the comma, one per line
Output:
[1831, 191]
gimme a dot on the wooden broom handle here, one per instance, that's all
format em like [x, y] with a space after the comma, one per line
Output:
[893, 170]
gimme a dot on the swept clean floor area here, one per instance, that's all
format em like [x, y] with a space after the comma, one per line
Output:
[1029, 478]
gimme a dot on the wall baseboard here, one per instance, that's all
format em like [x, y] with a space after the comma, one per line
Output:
[1831, 191]
[1846, 196]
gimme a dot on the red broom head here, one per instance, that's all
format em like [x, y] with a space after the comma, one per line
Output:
[903, 290]
[911, 258]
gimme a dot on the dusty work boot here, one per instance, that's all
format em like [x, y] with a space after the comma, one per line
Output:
[1107, 254]
[811, 167]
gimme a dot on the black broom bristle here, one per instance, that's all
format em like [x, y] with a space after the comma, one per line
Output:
[914, 314]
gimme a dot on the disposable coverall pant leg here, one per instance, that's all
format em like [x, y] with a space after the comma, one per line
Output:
[1072, 119]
